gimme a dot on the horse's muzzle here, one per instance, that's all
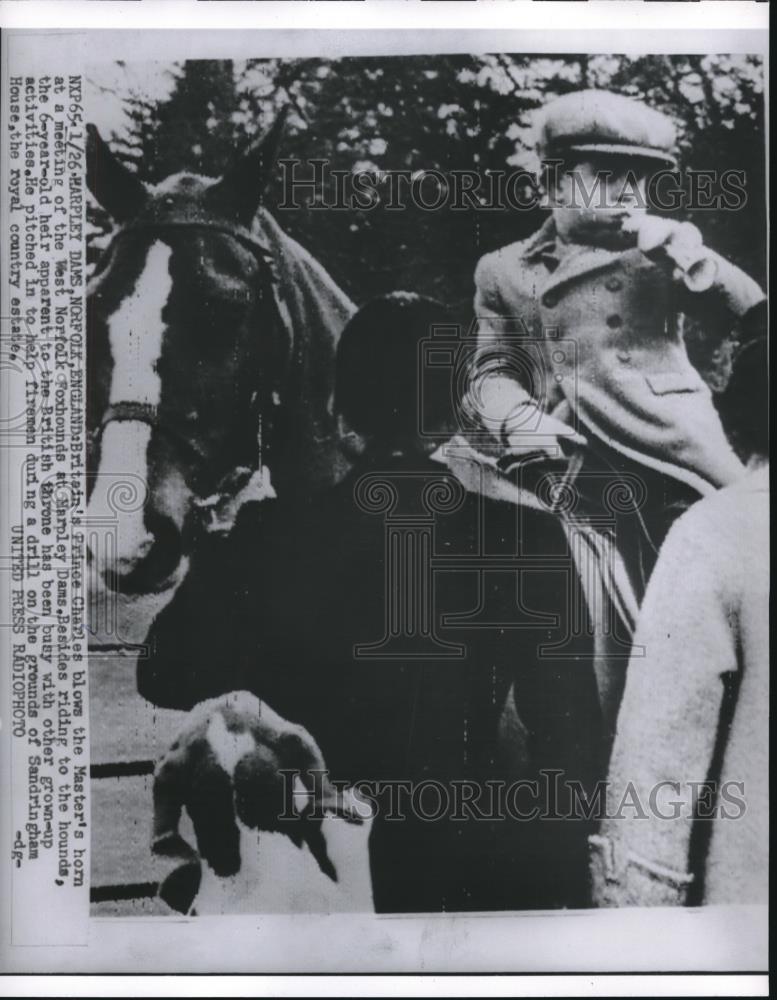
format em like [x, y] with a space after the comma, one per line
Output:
[153, 564]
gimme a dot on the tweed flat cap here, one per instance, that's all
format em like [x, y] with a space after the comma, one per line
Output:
[598, 121]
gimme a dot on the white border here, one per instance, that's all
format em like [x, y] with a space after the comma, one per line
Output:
[377, 986]
[708, 939]
[60, 46]
[720, 939]
[380, 15]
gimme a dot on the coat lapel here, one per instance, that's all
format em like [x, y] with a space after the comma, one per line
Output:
[574, 260]
[578, 261]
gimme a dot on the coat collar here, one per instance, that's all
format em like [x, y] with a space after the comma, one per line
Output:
[543, 243]
[580, 261]
[570, 261]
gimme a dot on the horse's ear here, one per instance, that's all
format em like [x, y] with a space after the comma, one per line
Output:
[118, 190]
[239, 192]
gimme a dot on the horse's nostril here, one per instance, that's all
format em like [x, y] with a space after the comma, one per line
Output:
[161, 559]
[166, 549]
[164, 531]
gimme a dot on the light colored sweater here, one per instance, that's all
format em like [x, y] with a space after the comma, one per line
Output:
[695, 706]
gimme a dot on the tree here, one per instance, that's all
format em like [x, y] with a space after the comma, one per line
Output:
[444, 113]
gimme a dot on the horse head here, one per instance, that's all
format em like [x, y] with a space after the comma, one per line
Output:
[186, 351]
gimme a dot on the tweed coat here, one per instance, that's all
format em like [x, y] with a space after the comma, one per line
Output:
[696, 709]
[609, 328]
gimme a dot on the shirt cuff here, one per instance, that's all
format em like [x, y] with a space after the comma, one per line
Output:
[623, 877]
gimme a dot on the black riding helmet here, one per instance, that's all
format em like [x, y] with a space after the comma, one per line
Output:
[386, 387]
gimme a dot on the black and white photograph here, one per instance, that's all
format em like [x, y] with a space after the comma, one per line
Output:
[408, 368]
[425, 490]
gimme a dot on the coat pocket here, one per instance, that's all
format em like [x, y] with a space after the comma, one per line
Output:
[664, 383]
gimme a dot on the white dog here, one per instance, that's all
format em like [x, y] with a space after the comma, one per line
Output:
[273, 835]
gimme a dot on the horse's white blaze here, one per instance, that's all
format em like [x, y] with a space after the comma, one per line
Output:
[136, 330]
[228, 747]
[119, 495]
[135, 333]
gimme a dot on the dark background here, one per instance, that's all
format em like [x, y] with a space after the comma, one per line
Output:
[444, 113]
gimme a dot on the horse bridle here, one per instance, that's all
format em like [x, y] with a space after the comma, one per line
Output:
[144, 413]
[147, 413]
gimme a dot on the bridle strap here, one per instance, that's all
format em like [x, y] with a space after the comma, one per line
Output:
[237, 232]
[129, 409]
[145, 413]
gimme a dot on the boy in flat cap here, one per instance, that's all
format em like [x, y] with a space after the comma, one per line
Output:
[601, 289]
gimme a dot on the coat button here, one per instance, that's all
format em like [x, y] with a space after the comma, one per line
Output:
[614, 321]
[550, 300]
[613, 284]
